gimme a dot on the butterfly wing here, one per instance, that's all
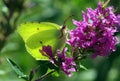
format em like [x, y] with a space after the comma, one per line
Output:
[37, 34]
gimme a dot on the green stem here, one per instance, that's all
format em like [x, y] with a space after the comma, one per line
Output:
[44, 76]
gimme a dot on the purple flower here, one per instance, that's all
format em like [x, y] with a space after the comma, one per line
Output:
[118, 25]
[118, 18]
[96, 31]
[67, 64]
[47, 51]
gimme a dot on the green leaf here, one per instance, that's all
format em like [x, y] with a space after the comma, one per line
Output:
[17, 69]
[83, 67]
[35, 35]
[56, 74]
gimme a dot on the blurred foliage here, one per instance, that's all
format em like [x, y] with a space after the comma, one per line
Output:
[56, 11]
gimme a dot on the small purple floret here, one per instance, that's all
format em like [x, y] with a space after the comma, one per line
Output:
[67, 64]
[47, 51]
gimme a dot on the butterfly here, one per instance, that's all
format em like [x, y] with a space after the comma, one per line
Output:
[35, 35]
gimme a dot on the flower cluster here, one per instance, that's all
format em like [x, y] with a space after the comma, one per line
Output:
[95, 31]
[67, 64]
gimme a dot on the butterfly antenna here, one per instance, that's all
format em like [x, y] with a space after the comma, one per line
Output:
[64, 25]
